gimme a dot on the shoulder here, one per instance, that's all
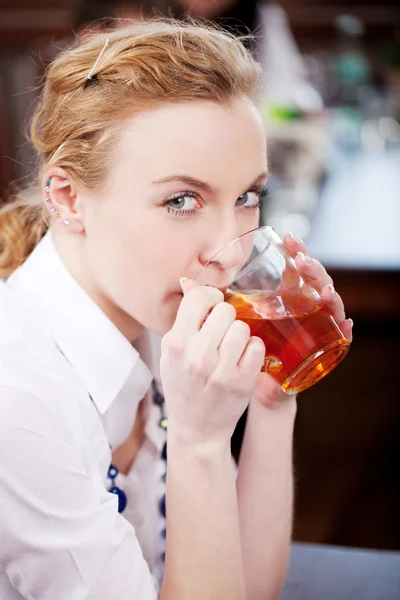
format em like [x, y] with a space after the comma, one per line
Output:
[21, 318]
[34, 375]
[25, 415]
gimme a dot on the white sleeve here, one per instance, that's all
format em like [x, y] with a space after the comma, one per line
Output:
[62, 537]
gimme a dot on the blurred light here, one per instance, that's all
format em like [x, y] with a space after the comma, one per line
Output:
[295, 223]
[389, 129]
[350, 24]
[371, 137]
[313, 66]
[304, 196]
[308, 99]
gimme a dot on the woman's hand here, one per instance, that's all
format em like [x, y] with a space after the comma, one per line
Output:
[209, 366]
[267, 392]
[315, 274]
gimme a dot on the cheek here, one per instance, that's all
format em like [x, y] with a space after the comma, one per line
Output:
[247, 220]
[254, 218]
[247, 245]
[138, 266]
[138, 260]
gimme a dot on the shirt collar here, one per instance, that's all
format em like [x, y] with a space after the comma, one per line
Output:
[98, 352]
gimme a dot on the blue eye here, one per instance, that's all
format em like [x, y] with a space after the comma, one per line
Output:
[186, 202]
[182, 204]
[177, 203]
[249, 200]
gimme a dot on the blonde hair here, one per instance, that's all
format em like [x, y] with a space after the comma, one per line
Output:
[77, 120]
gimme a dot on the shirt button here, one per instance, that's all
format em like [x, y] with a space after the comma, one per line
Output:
[121, 497]
[112, 472]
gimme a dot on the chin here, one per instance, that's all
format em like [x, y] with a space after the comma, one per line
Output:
[161, 326]
[164, 319]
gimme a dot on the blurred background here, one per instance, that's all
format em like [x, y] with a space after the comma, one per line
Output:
[332, 115]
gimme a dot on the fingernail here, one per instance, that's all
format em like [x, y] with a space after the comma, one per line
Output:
[306, 259]
[351, 322]
[294, 237]
[332, 290]
[182, 281]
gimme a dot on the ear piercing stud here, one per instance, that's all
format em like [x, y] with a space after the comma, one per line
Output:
[50, 205]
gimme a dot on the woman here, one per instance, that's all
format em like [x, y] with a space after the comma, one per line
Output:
[153, 157]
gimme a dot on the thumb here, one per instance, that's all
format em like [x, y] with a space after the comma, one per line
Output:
[268, 393]
[187, 284]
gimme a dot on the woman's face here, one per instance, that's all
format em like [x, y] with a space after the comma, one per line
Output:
[185, 182]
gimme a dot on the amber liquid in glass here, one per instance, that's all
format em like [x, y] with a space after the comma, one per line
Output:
[303, 342]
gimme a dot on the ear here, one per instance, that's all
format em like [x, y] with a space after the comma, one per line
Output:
[62, 199]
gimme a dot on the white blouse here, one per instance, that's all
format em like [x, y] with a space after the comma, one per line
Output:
[70, 385]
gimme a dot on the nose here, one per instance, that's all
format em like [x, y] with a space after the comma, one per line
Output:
[220, 246]
[223, 255]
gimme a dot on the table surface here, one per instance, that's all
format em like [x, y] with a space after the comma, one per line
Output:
[319, 572]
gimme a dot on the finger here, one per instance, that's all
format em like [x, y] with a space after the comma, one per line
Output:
[217, 324]
[334, 303]
[253, 357]
[233, 345]
[187, 284]
[293, 245]
[268, 392]
[312, 271]
[194, 308]
[290, 277]
[346, 327]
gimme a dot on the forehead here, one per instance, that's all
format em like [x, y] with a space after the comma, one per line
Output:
[200, 138]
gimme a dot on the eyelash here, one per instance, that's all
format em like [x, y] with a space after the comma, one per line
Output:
[261, 192]
[181, 212]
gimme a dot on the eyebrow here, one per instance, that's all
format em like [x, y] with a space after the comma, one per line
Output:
[202, 185]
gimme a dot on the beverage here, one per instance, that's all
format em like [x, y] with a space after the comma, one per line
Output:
[303, 342]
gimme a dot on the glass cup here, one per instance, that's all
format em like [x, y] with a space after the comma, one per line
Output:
[259, 278]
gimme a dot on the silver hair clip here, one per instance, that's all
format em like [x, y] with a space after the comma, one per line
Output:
[90, 76]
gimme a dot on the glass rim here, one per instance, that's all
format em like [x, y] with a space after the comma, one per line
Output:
[241, 236]
[234, 241]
